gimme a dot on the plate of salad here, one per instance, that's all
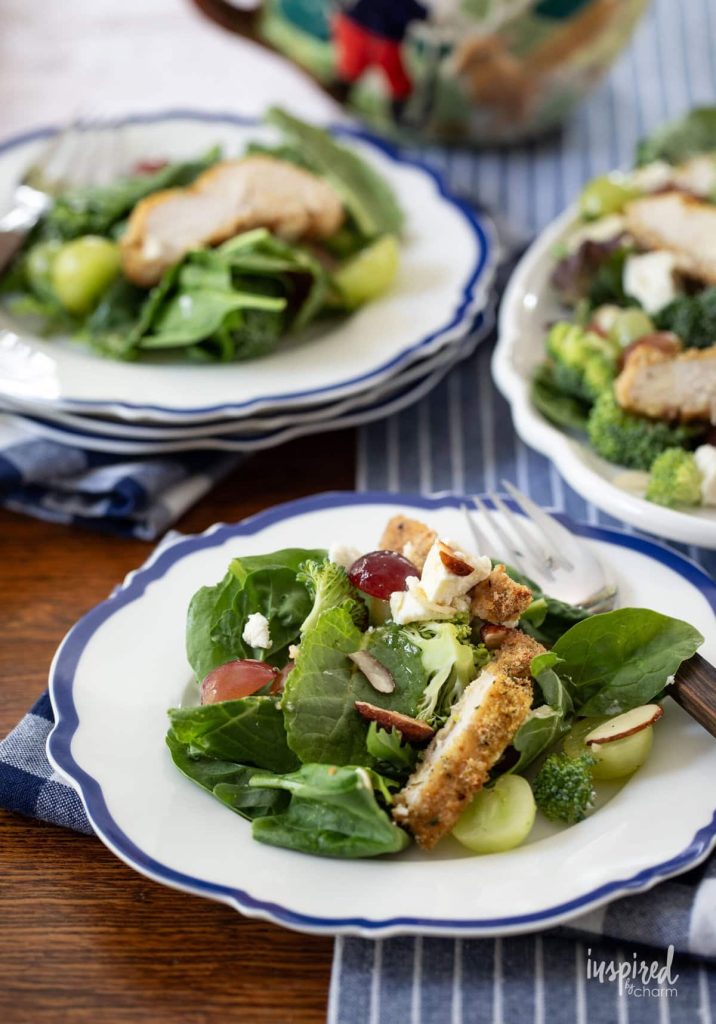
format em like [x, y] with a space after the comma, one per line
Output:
[337, 715]
[233, 267]
[607, 350]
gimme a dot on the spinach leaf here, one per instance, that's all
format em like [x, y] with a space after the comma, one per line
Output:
[94, 210]
[550, 720]
[190, 317]
[554, 404]
[227, 781]
[389, 750]
[677, 141]
[247, 731]
[321, 721]
[621, 659]
[333, 813]
[365, 193]
[260, 583]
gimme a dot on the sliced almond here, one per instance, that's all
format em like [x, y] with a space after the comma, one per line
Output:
[412, 729]
[375, 672]
[494, 636]
[457, 566]
[625, 725]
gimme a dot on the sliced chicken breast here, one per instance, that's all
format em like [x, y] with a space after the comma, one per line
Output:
[669, 386]
[231, 197]
[459, 759]
[681, 223]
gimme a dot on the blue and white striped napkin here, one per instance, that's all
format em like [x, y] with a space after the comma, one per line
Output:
[138, 498]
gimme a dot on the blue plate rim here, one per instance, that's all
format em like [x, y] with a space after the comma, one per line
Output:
[59, 741]
[474, 291]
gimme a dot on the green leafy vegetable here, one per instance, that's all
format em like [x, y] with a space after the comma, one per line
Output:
[333, 813]
[606, 285]
[550, 720]
[249, 731]
[227, 781]
[692, 317]
[558, 407]
[263, 583]
[677, 141]
[563, 788]
[388, 749]
[622, 659]
[365, 193]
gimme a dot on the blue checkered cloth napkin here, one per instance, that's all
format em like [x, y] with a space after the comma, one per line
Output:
[138, 498]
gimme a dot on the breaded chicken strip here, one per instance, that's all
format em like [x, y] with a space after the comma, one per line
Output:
[231, 197]
[499, 599]
[684, 225]
[670, 386]
[409, 537]
[459, 759]
[515, 653]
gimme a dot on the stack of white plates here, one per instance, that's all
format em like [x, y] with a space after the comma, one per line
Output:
[380, 359]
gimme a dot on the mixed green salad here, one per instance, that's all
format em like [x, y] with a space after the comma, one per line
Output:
[632, 363]
[212, 259]
[351, 702]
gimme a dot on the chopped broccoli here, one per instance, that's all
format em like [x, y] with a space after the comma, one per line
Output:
[329, 586]
[584, 362]
[629, 440]
[675, 479]
[692, 317]
[563, 789]
[451, 661]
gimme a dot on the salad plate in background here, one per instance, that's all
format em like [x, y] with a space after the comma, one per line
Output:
[445, 257]
[114, 677]
[607, 339]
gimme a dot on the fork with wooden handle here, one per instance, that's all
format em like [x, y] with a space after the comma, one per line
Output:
[694, 688]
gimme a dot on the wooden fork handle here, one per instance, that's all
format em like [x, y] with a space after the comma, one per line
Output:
[694, 688]
[10, 244]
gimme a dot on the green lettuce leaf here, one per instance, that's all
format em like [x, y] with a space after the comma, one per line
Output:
[677, 141]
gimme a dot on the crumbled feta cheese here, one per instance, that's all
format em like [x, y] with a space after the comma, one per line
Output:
[698, 175]
[604, 317]
[651, 177]
[292, 652]
[343, 554]
[705, 457]
[602, 230]
[649, 278]
[256, 631]
[439, 580]
[414, 605]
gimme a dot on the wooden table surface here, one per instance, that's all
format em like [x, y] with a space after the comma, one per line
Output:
[83, 938]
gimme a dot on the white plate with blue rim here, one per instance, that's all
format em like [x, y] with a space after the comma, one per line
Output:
[123, 665]
[528, 306]
[448, 257]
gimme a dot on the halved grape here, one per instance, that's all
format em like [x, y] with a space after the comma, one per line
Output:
[239, 678]
[629, 326]
[82, 270]
[499, 818]
[381, 573]
[603, 196]
[369, 273]
[613, 760]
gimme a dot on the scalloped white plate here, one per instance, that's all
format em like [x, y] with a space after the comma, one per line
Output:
[123, 665]
[529, 304]
[447, 263]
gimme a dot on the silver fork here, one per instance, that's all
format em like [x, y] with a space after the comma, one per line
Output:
[561, 564]
[82, 153]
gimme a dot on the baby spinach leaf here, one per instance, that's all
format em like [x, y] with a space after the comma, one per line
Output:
[260, 583]
[621, 659]
[550, 720]
[677, 141]
[226, 780]
[247, 731]
[389, 751]
[333, 813]
[554, 404]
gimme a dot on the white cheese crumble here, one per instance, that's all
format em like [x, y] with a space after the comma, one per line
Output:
[343, 554]
[705, 457]
[602, 230]
[649, 278]
[256, 631]
[651, 177]
[414, 605]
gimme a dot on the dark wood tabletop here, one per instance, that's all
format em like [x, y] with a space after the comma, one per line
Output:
[83, 938]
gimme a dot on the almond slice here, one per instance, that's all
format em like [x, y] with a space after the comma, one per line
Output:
[457, 566]
[412, 729]
[375, 672]
[625, 725]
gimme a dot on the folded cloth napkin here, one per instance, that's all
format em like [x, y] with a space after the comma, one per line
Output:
[115, 494]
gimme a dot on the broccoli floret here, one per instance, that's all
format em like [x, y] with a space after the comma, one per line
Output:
[563, 789]
[450, 660]
[329, 586]
[692, 317]
[675, 479]
[629, 440]
[584, 363]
